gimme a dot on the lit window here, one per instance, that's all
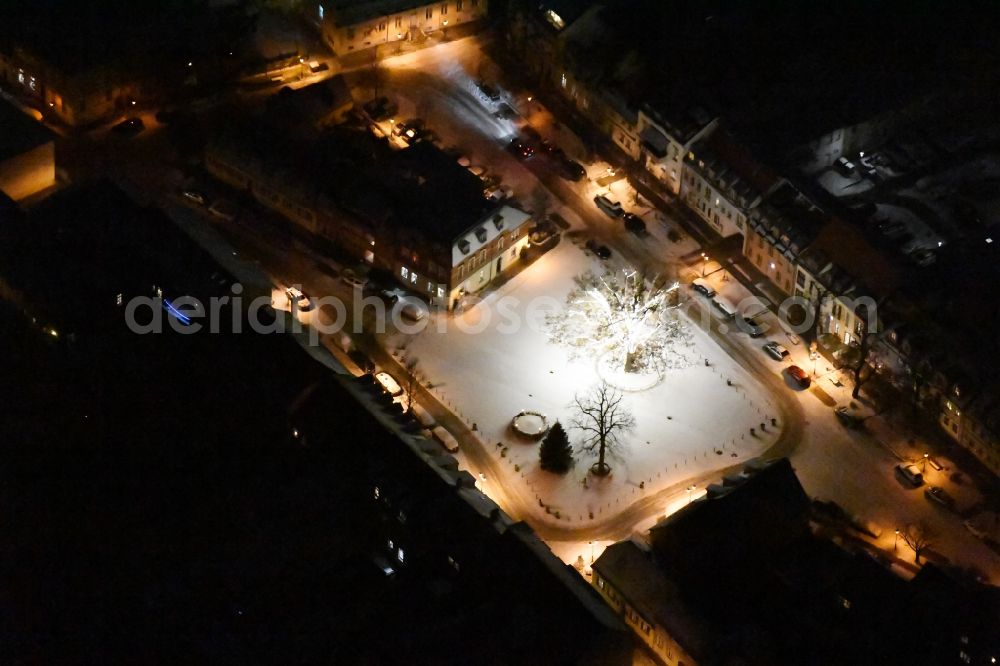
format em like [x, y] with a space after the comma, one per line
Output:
[20, 76]
[564, 80]
[400, 555]
[413, 278]
[391, 544]
[404, 272]
[402, 517]
[119, 299]
[440, 292]
[430, 287]
[322, 12]
[377, 492]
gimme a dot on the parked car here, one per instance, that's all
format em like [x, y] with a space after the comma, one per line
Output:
[520, 149]
[940, 496]
[413, 310]
[571, 169]
[703, 288]
[601, 251]
[129, 127]
[389, 384]
[751, 327]
[194, 196]
[504, 112]
[488, 91]
[610, 207]
[849, 418]
[911, 474]
[800, 376]
[391, 294]
[298, 299]
[634, 224]
[380, 108]
[726, 308]
[353, 280]
[776, 351]
[844, 167]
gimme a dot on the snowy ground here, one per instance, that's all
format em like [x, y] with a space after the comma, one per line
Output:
[489, 369]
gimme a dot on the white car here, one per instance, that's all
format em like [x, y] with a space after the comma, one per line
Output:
[413, 310]
[776, 351]
[389, 384]
[298, 300]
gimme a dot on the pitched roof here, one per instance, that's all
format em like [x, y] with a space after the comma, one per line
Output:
[632, 571]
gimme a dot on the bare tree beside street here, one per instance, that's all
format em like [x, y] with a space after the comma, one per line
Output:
[861, 368]
[918, 538]
[604, 421]
[411, 381]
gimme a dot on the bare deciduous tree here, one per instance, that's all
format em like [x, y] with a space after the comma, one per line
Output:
[412, 382]
[603, 420]
[918, 538]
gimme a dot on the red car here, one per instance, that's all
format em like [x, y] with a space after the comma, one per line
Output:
[800, 376]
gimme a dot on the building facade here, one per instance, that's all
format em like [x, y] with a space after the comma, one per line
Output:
[346, 26]
[722, 183]
[664, 144]
[75, 99]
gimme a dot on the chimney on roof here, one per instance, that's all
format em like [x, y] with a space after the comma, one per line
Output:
[498, 221]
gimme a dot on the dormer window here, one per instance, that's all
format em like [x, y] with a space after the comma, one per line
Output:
[463, 246]
[498, 222]
[481, 234]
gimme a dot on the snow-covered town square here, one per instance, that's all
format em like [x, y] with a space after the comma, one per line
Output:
[497, 359]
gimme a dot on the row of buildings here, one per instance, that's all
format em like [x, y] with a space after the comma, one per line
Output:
[745, 575]
[379, 205]
[739, 170]
[355, 25]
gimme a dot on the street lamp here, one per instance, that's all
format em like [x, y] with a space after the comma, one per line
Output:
[704, 263]
[591, 552]
[924, 463]
[895, 541]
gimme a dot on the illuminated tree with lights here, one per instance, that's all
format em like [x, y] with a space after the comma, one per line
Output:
[626, 320]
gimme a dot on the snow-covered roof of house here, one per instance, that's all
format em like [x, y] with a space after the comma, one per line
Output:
[504, 218]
